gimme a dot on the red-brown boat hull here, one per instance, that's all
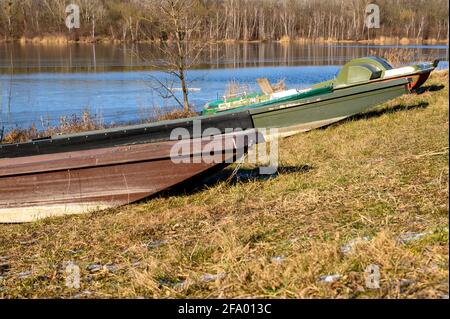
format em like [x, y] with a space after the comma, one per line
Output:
[39, 186]
[416, 80]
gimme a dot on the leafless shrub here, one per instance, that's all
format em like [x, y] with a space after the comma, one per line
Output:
[398, 56]
[233, 88]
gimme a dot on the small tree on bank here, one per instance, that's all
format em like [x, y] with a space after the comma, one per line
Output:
[179, 23]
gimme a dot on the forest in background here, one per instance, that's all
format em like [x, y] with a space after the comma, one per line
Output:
[228, 20]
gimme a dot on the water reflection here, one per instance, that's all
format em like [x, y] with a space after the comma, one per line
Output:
[121, 57]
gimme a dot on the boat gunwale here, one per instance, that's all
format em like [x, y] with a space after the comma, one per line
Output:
[149, 133]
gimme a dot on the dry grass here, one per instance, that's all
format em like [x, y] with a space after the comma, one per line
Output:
[67, 124]
[87, 122]
[380, 176]
[162, 114]
[398, 57]
[234, 88]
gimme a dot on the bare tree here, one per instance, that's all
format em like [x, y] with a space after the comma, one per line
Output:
[180, 23]
[7, 8]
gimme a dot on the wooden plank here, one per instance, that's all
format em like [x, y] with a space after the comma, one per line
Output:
[265, 86]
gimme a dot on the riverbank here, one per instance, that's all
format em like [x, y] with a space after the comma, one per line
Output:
[62, 39]
[371, 190]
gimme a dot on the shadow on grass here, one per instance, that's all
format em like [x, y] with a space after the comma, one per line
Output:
[201, 183]
[378, 113]
[246, 175]
[429, 88]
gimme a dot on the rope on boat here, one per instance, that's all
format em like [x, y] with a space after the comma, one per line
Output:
[238, 166]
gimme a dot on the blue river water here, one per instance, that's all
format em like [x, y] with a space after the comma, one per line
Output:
[127, 95]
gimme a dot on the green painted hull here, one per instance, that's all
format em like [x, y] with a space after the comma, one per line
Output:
[322, 110]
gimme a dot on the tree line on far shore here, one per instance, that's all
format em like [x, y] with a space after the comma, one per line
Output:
[228, 20]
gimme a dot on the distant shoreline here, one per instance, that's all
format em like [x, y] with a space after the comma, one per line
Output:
[64, 40]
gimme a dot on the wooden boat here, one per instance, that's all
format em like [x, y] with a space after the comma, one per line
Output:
[374, 68]
[294, 111]
[89, 171]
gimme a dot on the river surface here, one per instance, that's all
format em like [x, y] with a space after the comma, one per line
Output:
[39, 84]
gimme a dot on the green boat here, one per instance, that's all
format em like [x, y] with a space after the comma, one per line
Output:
[374, 68]
[295, 111]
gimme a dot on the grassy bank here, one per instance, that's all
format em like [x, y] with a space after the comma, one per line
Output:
[370, 190]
